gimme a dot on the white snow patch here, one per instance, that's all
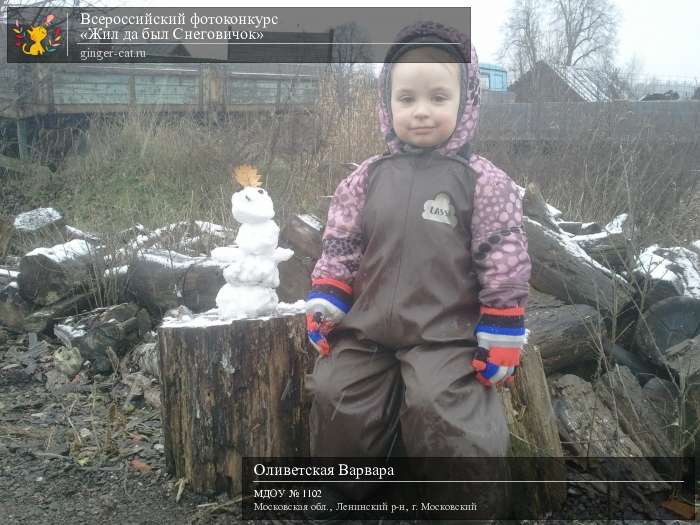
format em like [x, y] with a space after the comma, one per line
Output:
[35, 219]
[575, 250]
[312, 221]
[678, 266]
[211, 228]
[62, 252]
[117, 270]
[174, 260]
[554, 212]
[211, 317]
[69, 331]
[614, 227]
[297, 307]
[80, 234]
[617, 225]
[9, 273]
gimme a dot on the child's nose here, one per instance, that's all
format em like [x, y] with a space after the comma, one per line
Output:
[421, 110]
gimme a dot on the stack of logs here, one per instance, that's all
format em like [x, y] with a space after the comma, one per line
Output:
[236, 389]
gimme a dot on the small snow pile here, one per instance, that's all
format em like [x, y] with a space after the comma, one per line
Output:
[678, 266]
[67, 250]
[615, 227]
[35, 219]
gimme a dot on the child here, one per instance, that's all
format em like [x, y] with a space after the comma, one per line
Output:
[418, 298]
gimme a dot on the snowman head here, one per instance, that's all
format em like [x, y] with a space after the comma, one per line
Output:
[252, 205]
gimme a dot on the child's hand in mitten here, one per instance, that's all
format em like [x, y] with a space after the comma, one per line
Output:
[496, 365]
[500, 335]
[327, 303]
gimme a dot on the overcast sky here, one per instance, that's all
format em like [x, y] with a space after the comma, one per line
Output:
[664, 36]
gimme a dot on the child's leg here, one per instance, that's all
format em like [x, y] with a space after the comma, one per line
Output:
[448, 413]
[357, 393]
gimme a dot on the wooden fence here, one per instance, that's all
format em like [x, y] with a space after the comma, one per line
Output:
[621, 121]
[77, 88]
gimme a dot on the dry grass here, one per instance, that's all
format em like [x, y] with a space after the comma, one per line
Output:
[153, 168]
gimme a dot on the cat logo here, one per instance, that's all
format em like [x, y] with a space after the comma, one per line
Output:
[39, 39]
[439, 209]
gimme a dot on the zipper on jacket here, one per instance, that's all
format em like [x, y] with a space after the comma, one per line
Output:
[403, 236]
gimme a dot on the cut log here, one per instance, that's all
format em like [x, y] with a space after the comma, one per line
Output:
[684, 361]
[35, 228]
[535, 207]
[105, 334]
[666, 324]
[561, 268]
[566, 335]
[6, 231]
[534, 434]
[621, 393]
[160, 280]
[303, 236]
[229, 390]
[13, 307]
[612, 246]
[70, 233]
[8, 275]
[667, 272]
[662, 397]
[589, 429]
[640, 368]
[44, 319]
[50, 274]
[580, 228]
[146, 358]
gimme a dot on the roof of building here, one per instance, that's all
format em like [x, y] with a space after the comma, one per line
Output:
[589, 86]
[582, 81]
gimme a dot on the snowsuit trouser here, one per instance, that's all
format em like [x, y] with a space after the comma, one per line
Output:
[363, 394]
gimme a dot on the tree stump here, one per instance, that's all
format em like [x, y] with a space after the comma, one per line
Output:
[534, 434]
[231, 389]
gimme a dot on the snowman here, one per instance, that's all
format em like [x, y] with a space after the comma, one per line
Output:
[251, 273]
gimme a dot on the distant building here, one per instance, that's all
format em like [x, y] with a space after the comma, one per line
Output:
[548, 83]
[493, 77]
[493, 80]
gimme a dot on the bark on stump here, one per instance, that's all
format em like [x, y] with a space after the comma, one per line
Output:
[534, 434]
[231, 390]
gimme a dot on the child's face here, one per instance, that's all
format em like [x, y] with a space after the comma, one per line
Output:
[424, 101]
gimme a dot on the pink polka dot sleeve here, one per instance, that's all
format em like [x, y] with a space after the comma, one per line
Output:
[499, 244]
[342, 238]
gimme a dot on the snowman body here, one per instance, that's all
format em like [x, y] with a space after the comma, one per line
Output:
[251, 273]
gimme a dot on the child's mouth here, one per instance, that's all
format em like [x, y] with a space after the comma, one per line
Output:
[421, 131]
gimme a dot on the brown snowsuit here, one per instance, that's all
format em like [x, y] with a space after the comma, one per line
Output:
[399, 377]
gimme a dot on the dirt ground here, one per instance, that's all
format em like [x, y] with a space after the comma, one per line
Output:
[77, 454]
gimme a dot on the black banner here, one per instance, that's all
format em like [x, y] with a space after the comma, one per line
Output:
[226, 34]
[465, 488]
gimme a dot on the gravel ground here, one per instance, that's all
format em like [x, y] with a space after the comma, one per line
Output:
[85, 457]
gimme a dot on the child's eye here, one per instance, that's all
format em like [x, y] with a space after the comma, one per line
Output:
[439, 98]
[406, 100]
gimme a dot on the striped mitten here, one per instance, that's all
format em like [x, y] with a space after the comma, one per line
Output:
[327, 303]
[501, 335]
